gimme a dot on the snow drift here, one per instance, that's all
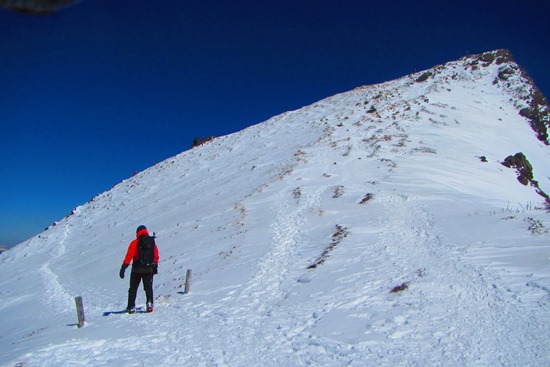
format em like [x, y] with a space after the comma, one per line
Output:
[377, 227]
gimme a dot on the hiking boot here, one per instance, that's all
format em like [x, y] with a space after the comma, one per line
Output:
[149, 307]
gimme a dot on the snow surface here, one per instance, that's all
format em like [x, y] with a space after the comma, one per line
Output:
[383, 198]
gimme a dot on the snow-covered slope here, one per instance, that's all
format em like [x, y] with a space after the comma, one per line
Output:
[376, 227]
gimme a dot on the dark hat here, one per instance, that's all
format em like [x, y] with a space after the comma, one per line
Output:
[140, 228]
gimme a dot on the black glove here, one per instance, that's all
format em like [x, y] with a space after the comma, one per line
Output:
[122, 269]
[155, 269]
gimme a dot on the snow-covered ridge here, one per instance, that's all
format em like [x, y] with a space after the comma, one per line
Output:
[427, 249]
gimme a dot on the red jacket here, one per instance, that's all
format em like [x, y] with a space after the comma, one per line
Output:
[133, 254]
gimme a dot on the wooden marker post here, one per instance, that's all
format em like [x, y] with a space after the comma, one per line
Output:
[80, 311]
[187, 281]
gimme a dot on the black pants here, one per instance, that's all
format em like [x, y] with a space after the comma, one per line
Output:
[135, 279]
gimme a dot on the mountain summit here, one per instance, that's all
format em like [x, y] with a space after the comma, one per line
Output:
[398, 224]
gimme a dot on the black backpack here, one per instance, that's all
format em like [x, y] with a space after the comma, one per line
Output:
[146, 248]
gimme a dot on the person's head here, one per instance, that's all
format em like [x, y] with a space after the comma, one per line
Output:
[141, 230]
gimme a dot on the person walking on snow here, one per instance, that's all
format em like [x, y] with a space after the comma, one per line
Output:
[144, 256]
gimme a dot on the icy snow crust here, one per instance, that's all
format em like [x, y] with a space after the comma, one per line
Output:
[466, 243]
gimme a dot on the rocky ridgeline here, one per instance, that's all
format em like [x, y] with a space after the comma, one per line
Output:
[530, 101]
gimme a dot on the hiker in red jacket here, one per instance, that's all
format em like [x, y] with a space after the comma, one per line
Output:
[144, 256]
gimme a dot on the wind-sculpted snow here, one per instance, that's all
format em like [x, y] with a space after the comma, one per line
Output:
[425, 254]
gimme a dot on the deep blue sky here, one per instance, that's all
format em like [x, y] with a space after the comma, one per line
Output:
[98, 90]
